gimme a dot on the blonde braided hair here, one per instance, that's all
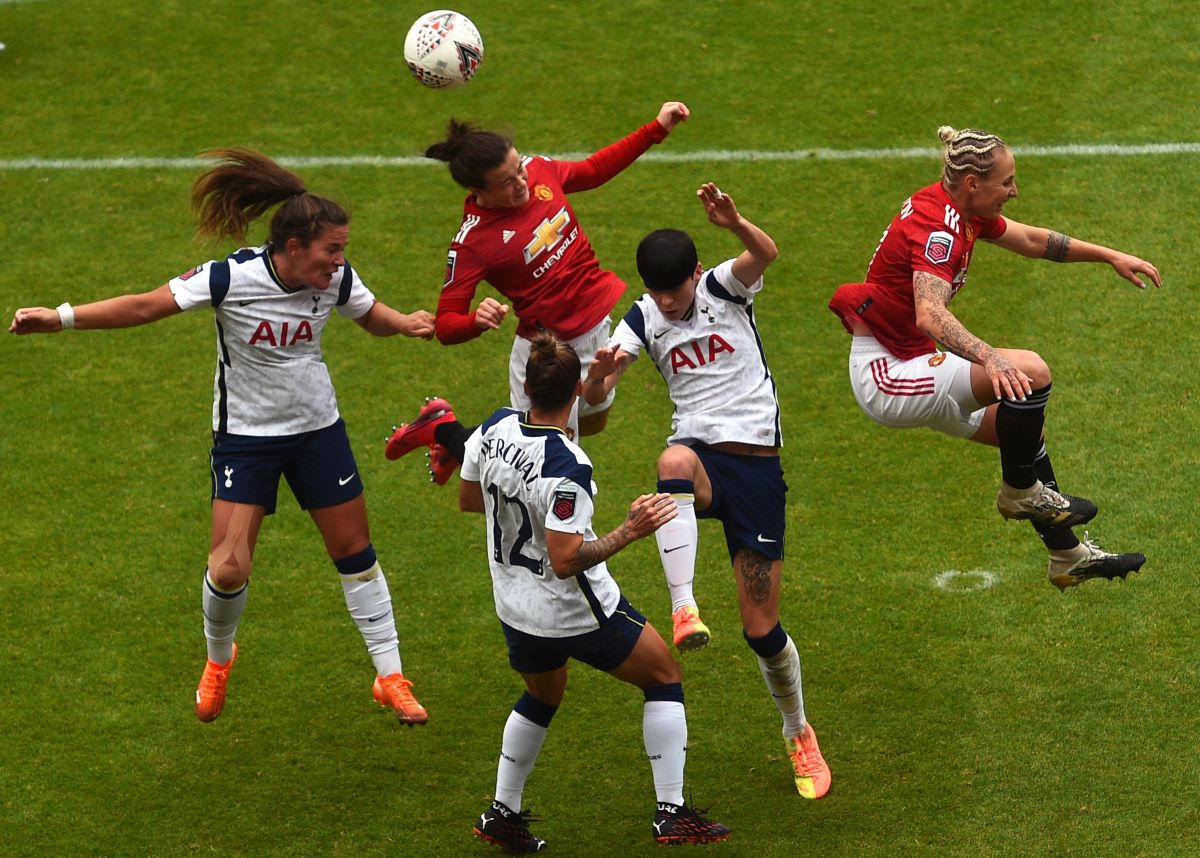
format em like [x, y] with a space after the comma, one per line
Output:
[967, 151]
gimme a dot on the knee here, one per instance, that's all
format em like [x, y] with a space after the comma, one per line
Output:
[593, 424]
[1034, 366]
[229, 566]
[677, 463]
[759, 624]
[666, 671]
[669, 672]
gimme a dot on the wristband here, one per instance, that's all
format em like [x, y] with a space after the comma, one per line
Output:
[66, 315]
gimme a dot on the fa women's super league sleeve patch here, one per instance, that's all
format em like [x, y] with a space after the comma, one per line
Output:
[564, 504]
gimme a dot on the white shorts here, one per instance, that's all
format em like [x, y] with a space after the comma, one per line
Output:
[933, 390]
[585, 346]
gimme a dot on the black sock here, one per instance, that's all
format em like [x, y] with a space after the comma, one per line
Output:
[1064, 539]
[1044, 468]
[453, 436]
[1019, 431]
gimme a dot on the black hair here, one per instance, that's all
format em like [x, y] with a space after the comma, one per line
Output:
[666, 258]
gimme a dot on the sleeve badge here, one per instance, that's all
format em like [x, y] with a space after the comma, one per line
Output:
[938, 247]
[564, 504]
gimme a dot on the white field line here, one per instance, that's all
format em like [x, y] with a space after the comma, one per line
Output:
[666, 157]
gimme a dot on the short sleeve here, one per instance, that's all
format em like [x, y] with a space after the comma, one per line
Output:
[990, 230]
[569, 509]
[723, 283]
[354, 298]
[195, 288]
[630, 333]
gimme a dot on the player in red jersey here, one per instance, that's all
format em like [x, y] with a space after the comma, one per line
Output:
[520, 234]
[992, 395]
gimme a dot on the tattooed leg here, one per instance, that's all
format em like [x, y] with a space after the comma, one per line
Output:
[758, 590]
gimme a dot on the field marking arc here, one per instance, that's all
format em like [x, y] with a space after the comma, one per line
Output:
[703, 155]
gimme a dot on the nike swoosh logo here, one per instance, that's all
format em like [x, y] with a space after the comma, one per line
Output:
[251, 301]
[762, 538]
[676, 548]
[349, 478]
[659, 334]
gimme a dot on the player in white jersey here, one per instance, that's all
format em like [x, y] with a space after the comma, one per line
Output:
[274, 409]
[722, 459]
[556, 599]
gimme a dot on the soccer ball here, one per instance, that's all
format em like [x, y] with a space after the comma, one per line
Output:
[443, 49]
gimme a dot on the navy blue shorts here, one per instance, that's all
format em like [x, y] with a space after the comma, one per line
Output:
[605, 648]
[749, 497]
[319, 468]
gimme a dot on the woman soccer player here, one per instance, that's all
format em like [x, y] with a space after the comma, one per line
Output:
[996, 396]
[521, 235]
[274, 408]
[556, 599]
[722, 459]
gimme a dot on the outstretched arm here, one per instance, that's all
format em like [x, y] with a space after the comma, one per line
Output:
[932, 295]
[124, 311]
[612, 159]
[760, 248]
[570, 554]
[1039, 242]
[383, 321]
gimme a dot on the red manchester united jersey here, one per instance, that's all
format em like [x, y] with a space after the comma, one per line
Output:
[929, 234]
[537, 255]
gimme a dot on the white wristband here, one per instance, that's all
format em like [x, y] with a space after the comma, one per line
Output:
[66, 315]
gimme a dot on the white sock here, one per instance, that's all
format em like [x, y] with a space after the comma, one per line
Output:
[518, 752]
[782, 675]
[370, 605]
[222, 610]
[677, 550]
[664, 733]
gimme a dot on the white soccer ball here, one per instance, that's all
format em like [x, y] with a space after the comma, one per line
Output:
[443, 49]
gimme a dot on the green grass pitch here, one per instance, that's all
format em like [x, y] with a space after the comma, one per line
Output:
[1006, 720]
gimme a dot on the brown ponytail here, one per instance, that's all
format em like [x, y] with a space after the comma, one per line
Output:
[551, 373]
[243, 185]
[471, 153]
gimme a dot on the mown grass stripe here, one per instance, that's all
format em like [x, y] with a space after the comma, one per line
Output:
[670, 157]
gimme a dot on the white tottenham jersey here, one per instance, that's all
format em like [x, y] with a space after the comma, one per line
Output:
[713, 362]
[270, 378]
[534, 480]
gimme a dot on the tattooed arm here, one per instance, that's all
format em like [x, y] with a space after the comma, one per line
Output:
[932, 295]
[570, 554]
[1037, 242]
